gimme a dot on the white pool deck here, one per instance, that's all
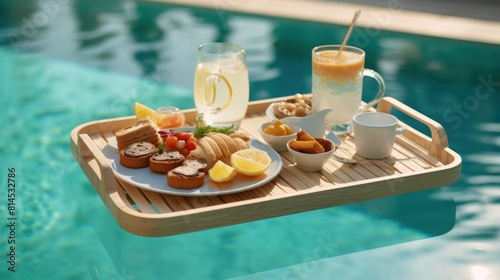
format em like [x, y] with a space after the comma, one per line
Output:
[394, 15]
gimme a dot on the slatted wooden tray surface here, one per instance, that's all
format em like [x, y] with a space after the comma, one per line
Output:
[149, 213]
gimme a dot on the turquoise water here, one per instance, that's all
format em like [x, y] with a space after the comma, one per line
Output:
[64, 63]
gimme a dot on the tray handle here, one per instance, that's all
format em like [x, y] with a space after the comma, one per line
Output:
[439, 139]
[104, 174]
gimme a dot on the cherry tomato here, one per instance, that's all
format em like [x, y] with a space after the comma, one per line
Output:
[185, 152]
[190, 145]
[171, 141]
[192, 139]
[183, 136]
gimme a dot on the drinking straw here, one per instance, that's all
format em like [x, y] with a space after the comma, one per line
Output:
[353, 22]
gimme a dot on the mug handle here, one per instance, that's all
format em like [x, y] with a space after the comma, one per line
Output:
[381, 88]
[211, 92]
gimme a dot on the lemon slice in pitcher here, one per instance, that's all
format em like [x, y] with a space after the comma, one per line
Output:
[229, 92]
[212, 90]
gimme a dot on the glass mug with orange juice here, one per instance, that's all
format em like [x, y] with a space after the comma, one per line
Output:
[221, 86]
[337, 83]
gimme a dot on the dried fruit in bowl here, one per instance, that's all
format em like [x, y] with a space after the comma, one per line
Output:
[278, 128]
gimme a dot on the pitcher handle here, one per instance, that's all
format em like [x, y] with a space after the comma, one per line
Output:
[211, 92]
[381, 88]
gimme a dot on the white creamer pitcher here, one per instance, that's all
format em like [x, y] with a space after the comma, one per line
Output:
[313, 124]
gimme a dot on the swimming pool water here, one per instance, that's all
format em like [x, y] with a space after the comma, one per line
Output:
[90, 60]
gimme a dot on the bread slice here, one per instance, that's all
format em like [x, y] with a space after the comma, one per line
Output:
[143, 130]
[218, 146]
[233, 148]
[242, 144]
[150, 138]
[219, 141]
[136, 155]
[207, 151]
[138, 126]
[165, 160]
[198, 163]
[185, 177]
[240, 134]
[215, 147]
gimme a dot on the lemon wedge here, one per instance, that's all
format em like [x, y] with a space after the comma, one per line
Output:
[142, 111]
[251, 162]
[221, 172]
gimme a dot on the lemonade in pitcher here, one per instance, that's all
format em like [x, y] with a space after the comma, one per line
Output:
[221, 85]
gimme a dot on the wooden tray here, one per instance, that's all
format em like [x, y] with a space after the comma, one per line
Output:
[148, 213]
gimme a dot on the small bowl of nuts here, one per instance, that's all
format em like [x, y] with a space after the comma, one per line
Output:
[298, 106]
[276, 133]
[298, 111]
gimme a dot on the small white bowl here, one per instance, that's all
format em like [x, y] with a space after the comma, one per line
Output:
[311, 162]
[278, 143]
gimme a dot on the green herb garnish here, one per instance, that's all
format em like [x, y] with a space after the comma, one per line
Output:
[160, 146]
[201, 129]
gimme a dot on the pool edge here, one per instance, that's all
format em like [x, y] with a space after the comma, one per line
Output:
[393, 17]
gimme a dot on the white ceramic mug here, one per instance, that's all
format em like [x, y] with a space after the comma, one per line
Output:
[374, 134]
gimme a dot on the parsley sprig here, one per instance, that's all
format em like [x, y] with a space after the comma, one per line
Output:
[201, 129]
[161, 146]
